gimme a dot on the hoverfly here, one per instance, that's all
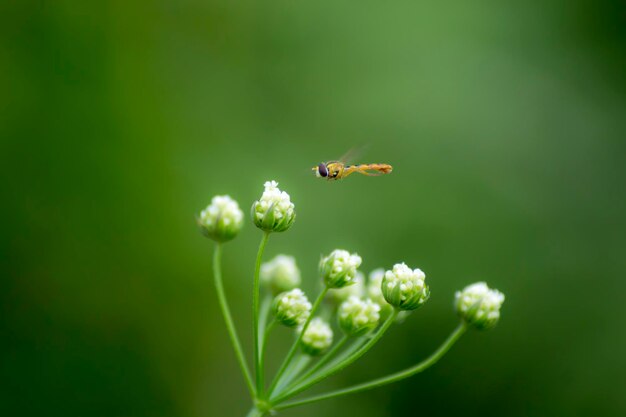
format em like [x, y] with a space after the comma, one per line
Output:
[336, 170]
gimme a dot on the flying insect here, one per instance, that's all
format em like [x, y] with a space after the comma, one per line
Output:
[337, 170]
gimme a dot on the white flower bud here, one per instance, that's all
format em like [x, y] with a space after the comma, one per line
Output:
[317, 338]
[292, 308]
[479, 305]
[222, 219]
[339, 295]
[274, 212]
[404, 288]
[339, 268]
[358, 317]
[375, 293]
[280, 274]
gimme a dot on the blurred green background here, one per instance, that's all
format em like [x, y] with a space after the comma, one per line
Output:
[506, 126]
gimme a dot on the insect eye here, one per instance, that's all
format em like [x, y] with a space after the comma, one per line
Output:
[321, 168]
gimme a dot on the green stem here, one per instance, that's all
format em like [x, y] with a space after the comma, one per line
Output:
[288, 372]
[255, 412]
[323, 360]
[356, 345]
[264, 312]
[428, 362]
[255, 309]
[295, 345]
[230, 326]
[293, 371]
[264, 328]
[266, 333]
[356, 355]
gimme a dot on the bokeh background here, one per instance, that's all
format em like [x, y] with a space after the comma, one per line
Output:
[506, 126]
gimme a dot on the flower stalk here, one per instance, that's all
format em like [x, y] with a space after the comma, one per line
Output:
[324, 359]
[379, 382]
[256, 312]
[230, 326]
[296, 344]
[298, 364]
[341, 365]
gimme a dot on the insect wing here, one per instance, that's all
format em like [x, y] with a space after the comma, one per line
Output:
[353, 154]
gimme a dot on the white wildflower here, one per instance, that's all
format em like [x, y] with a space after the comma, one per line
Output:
[222, 219]
[405, 288]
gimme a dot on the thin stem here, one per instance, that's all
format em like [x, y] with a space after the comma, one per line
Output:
[255, 412]
[264, 312]
[299, 363]
[295, 345]
[230, 326]
[264, 328]
[288, 372]
[428, 362]
[356, 345]
[266, 334]
[324, 359]
[255, 309]
[356, 355]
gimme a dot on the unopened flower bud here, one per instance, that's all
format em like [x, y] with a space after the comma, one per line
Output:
[317, 338]
[339, 295]
[292, 308]
[222, 219]
[280, 274]
[339, 268]
[405, 288]
[479, 305]
[374, 291]
[274, 211]
[358, 317]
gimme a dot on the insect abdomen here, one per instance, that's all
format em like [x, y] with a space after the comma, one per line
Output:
[382, 168]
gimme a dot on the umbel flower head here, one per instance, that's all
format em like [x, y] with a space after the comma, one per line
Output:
[317, 338]
[358, 317]
[339, 268]
[280, 274]
[479, 305]
[292, 308]
[405, 288]
[274, 212]
[339, 295]
[222, 219]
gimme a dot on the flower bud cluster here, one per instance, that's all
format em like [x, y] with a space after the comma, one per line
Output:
[222, 219]
[339, 268]
[274, 211]
[479, 305]
[280, 274]
[374, 291]
[317, 338]
[357, 289]
[358, 317]
[292, 308]
[405, 288]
